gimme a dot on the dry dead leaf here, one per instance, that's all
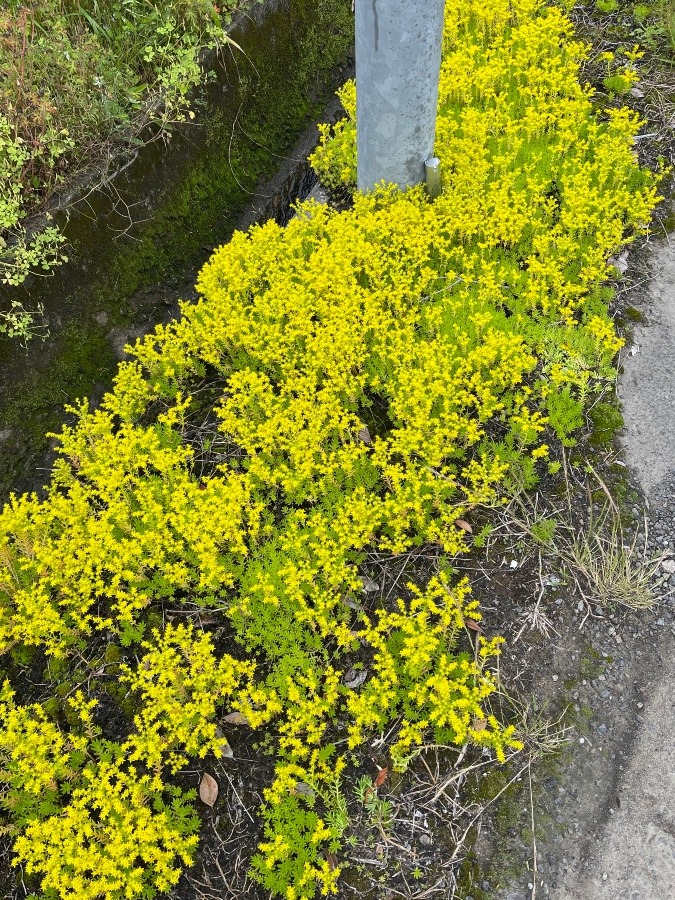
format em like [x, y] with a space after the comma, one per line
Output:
[381, 777]
[620, 261]
[224, 750]
[235, 718]
[464, 525]
[369, 585]
[352, 604]
[208, 789]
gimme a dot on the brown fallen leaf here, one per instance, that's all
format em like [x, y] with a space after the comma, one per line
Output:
[235, 718]
[208, 789]
[381, 777]
[464, 525]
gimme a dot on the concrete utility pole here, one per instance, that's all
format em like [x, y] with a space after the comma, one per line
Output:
[398, 59]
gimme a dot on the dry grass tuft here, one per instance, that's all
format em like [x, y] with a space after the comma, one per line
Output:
[606, 570]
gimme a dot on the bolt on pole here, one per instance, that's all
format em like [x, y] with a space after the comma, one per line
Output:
[398, 60]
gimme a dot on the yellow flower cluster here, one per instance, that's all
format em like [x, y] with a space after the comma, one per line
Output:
[34, 754]
[335, 161]
[373, 374]
[417, 672]
[181, 687]
[112, 840]
[87, 819]
[537, 192]
[291, 861]
[123, 526]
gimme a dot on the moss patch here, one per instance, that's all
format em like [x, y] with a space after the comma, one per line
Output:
[607, 420]
[633, 314]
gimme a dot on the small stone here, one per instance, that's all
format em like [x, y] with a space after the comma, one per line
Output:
[640, 705]
[555, 678]
[668, 565]
[604, 876]
[551, 580]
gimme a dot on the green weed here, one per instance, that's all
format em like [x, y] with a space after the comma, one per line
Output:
[75, 74]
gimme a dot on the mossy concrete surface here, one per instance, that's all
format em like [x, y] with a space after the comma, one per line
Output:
[633, 856]
[647, 389]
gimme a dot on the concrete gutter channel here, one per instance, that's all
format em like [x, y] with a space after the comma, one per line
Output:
[605, 819]
[115, 288]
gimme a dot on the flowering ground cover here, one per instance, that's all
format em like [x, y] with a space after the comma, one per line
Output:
[356, 383]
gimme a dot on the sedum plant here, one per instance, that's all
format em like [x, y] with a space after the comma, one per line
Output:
[365, 377]
[86, 821]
